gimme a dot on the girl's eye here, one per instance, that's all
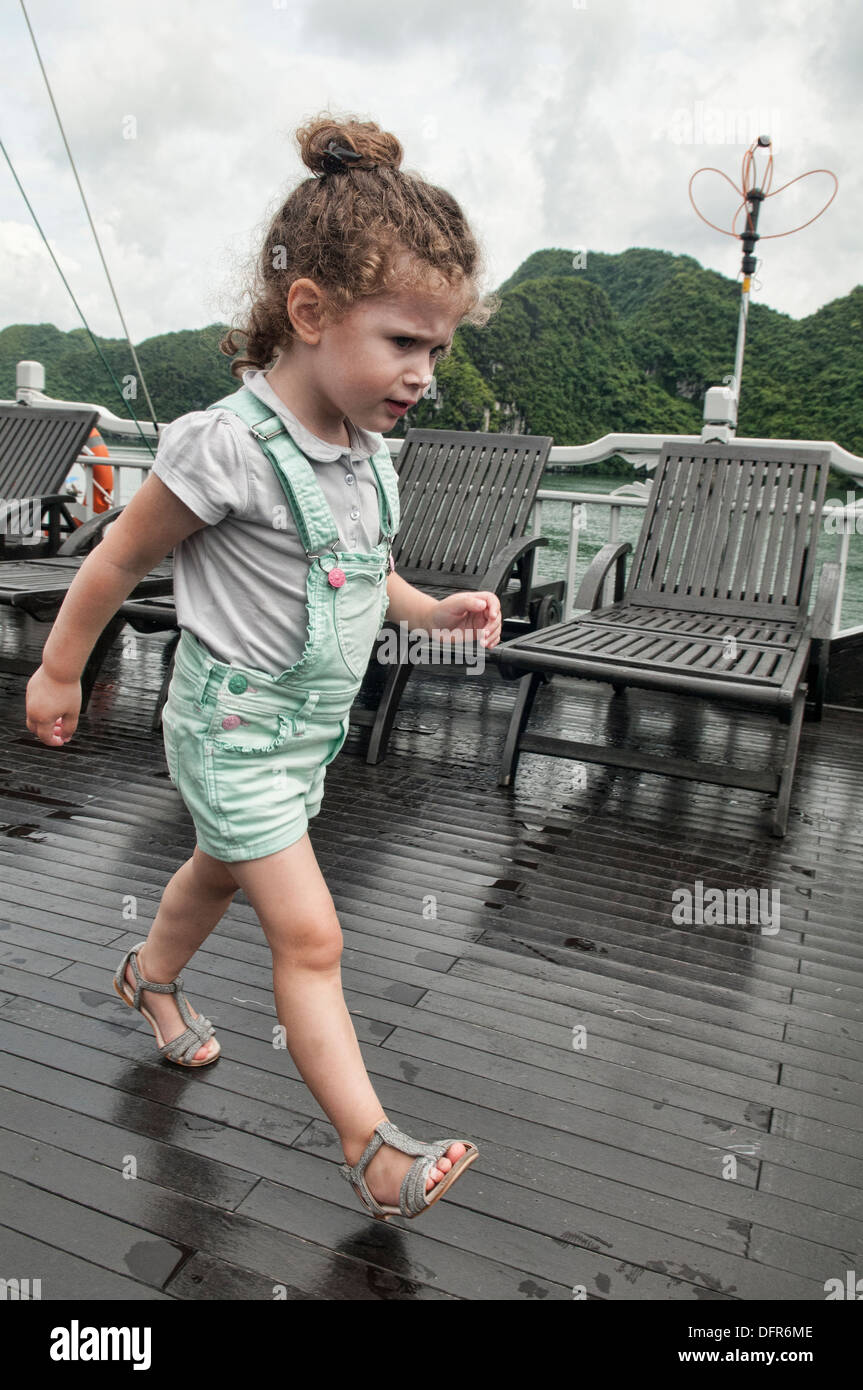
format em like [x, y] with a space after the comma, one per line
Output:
[439, 352]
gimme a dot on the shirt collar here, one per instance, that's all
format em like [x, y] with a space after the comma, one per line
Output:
[363, 442]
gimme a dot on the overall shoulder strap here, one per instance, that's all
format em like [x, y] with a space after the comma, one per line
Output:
[312, 514]
[388, 490]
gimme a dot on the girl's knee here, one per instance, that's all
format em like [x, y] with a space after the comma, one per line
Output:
[310, 943]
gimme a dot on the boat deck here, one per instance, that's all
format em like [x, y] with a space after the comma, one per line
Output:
[700, 1138]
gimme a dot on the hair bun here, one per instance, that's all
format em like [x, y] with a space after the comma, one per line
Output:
[372, 146]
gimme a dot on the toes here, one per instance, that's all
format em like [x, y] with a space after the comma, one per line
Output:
[208, 1049]
[443, 1165]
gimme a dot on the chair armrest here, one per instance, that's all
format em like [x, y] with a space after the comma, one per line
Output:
[20, 506]
[499, 569]
[90, 532]
[824, 611]
[590, 589]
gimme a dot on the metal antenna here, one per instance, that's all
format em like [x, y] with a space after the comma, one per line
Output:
[752, 198]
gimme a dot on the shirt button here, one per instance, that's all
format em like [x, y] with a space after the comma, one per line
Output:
[349, 477]
[237, 684]
[354, 513]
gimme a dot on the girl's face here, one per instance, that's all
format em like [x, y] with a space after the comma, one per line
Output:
[378, 360]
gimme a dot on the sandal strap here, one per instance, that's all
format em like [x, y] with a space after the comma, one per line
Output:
[396, 1137]
[187, 1044]
[198, 1030]
[131, 958]
[412, 1195]
[354, 1175]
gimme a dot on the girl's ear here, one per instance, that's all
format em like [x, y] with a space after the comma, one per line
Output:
[305, 301]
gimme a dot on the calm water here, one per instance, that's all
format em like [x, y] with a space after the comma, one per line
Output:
[551, 559]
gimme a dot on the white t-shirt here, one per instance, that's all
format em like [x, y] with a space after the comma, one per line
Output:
[240, 582]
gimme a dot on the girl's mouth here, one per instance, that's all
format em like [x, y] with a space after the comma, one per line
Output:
[398, 407]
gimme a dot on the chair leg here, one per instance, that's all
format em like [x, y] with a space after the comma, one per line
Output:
[789, 762]
[170, 647]
[104, 643]
[524, 698]
[821, 659]
[388, 707]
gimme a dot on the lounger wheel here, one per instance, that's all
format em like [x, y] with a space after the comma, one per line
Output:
[544, 612]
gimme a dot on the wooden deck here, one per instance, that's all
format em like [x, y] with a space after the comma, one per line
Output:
[606, 1166]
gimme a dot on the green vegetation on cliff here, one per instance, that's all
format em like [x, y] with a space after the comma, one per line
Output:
[581, 345]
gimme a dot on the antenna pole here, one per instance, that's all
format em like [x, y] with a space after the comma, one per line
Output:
[754, 198]
[720, 408]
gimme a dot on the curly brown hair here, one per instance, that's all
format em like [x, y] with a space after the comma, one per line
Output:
[348, 231]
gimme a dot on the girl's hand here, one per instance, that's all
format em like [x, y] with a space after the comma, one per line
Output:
[52, 707]
[469, 612]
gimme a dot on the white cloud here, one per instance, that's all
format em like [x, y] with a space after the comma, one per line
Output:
[552, 124]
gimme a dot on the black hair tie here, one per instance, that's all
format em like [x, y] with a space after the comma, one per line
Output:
[339, 158]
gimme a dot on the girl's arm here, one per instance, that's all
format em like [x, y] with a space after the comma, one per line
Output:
[408, 604]
[469, 612]
[150, 525]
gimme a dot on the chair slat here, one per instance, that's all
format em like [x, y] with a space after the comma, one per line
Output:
[776, 525]
[727, 529]
[744, 529]
[787, 521]
[803, 557]
[702, 527]
[669, 479]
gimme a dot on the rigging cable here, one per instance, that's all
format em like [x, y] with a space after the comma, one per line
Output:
[93, 339]
[141, 377]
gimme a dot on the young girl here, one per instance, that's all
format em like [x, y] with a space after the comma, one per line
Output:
[280, 503]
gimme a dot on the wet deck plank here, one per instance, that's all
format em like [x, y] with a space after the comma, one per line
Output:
[599, 1166]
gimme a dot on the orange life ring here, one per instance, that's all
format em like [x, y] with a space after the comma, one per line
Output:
[103, 474]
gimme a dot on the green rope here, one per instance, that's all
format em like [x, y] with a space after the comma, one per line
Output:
[75, 302]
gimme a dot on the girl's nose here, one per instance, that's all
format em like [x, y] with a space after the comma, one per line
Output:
[421, 377]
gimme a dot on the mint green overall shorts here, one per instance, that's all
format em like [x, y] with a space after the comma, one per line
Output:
[248, 751]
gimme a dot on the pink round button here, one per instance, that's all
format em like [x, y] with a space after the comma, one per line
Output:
[336, 577]
[231, 721]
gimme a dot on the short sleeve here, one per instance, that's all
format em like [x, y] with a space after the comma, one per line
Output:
[201, 460]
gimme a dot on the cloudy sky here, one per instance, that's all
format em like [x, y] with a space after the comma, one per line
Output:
[555, 123]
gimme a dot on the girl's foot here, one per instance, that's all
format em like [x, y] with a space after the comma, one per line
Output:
[164, 1009]
[385, 1172]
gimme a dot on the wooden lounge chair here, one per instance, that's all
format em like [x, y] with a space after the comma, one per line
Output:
[465, 500]
[716, 606]
[37, 450]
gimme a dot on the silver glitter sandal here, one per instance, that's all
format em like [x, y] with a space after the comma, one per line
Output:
[413, 1198]
[198, 1030]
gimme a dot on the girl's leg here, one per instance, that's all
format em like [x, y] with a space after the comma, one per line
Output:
[193, 902]
[289, 894]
